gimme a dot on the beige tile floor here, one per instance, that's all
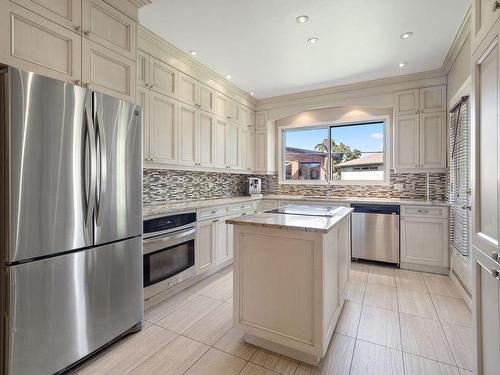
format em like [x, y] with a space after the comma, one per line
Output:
[393, 322]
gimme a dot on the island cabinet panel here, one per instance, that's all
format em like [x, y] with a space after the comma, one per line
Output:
[289, 286]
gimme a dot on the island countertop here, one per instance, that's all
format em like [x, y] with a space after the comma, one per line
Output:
[320, 224]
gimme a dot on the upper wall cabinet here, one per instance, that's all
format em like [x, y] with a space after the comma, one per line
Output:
[484, 15]
[154, 74]
[188, 89]
[85, 42]
[420, 130]
[426, 100]
[102, 24]
[66, 13]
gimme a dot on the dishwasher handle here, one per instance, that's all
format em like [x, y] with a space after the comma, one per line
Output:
[382, 209]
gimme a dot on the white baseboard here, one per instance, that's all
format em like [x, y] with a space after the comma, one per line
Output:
[461, 289]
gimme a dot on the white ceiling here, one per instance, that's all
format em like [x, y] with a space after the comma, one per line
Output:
[261, 46]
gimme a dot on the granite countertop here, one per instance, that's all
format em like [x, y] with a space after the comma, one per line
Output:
[302, 223]
[418, 202]
[159, 208]
[162, 208]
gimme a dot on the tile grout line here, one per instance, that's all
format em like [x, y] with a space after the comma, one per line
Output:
[400, 330]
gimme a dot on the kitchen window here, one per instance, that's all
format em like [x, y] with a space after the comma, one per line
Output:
[352, 153]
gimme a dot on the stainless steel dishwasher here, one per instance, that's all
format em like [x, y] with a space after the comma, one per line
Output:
[375, 232]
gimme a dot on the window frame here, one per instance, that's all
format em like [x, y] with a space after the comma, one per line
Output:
[327, 125]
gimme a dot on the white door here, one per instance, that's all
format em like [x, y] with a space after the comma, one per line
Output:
[485, 202]
[221, 248]
[221, 130]
[407, 102]
[233, 146]
[406, 142]
[163, 128]
[424, 241]
[206, 125]
[188, 135]
[433, 140]
[205, 245]
[188, 89]
[433, 99]
[163, 78]
[143, 99]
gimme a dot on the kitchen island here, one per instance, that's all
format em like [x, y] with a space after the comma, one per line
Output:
[290, 276]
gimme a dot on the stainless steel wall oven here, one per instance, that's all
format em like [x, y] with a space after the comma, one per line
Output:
[169, 251]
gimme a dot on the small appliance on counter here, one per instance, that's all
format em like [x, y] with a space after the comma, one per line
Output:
[254, 187]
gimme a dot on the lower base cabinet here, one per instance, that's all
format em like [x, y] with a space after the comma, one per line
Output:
[486, 312]
[205, 245]
[424, 239]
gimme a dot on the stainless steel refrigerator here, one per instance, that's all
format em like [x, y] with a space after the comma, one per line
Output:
[71, 221]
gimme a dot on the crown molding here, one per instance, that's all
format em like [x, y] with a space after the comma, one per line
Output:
[380, 86]
[184, 61]
[462, 35]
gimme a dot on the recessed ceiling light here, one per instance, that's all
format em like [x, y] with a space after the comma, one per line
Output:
[403, 64]
[406, 35]
[193, 52]
[228, 76]
[313, 40]
[302, 19]
[252, 93]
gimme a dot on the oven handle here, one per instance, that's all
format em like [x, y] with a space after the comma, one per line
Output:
[157, 243]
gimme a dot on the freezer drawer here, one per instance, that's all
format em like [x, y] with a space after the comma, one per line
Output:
[63, 308]
[375, 237]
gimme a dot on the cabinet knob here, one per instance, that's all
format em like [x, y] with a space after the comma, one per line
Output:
[78, 29]
[86, 32]
[87, 86]
[494, 256]
[495, 273]
[496, 5]
[78, 82]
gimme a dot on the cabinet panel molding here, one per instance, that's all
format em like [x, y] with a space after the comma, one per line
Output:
[66, 13]
[162, 78]
[407, 102]
[163, 131]
[433, 140]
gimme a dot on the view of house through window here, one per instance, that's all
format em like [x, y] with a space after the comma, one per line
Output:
[353, 152]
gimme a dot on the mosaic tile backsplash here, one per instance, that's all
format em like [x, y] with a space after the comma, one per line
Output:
[163, 185]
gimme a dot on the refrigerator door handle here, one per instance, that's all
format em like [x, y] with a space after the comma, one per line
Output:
[90, 186]
[103, 166]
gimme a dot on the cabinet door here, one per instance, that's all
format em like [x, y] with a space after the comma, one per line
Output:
[234, 111]
[251, 151]
[260, 151]
[433, 99]
[244, 116]
[205, 245]
[486, 312]
[406, 102]
[31, 42]
[206, 124]
[206, 97]
[433, 140]
[221, 248]
[424, 241]
[109, 27]
[485, 145]
[163, 123]
[233, 146]
[107, 72]
[221, 106]
[484, 15]
[188, 89]
[188, 135]
[406, 142]
[143, 99]
[163, 78]
[143, 69]
[221, 131]
[66, 13]
[243, 148]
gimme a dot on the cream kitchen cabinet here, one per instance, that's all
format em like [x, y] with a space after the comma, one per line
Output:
[206, 232]
[221, 105]
[108, 72]
[420, 142]
[84, 42]
[160, 127]
[485, 13]
[111, 29]
[156, 75]
[265, 144]
[486, 312]
[424, 238]
[221, 131]
[195, 93]
[485, 215]
[233, 146]
[251, 145]
[424, 100]
[206, 135]
[206, 98]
